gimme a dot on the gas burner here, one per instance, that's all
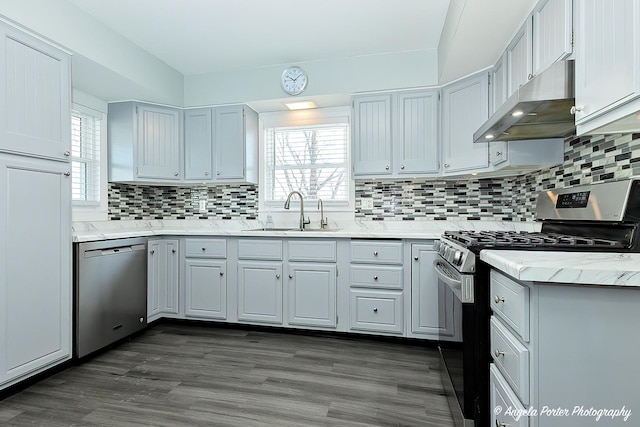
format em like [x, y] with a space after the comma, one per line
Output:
[523, 239]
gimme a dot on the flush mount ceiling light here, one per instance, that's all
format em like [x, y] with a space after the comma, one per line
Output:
[517, 113]
[302, 105]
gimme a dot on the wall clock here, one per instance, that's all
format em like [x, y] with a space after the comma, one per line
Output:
[294, 80]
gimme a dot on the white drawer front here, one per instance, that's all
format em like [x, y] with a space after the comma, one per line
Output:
[206, 248]
[376, 252]
[501, 399]
[510, 302]
[379, 311]
[511, 358]
[369, 276]
[312, 250]
[262, 249]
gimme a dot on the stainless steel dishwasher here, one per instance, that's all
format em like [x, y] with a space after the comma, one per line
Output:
[110, 292]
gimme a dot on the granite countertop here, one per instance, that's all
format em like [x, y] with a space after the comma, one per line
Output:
[105, 230]
[589, 268]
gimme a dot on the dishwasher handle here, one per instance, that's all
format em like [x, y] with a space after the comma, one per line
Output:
[112, 251]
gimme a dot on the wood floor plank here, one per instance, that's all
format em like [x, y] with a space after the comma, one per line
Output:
[207, 375]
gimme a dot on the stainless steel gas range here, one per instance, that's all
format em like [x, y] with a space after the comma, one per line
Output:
[600, 217]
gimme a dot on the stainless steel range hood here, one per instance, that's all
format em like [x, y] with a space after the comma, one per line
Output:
[539, 109]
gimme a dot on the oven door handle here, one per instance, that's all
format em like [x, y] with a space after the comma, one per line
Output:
[455, 285]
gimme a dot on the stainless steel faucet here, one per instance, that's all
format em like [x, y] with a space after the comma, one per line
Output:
[323, 220]
[287, 203]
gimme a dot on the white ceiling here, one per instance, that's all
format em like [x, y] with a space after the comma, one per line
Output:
[203, 36]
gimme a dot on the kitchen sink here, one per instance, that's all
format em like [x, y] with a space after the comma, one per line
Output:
[291, 229]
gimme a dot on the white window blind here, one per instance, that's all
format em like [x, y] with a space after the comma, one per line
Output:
[85, 158]
[311, 159]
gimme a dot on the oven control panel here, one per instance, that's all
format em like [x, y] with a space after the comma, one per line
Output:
[461, 258]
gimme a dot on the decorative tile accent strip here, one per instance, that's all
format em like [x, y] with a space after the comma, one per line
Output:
[131, 202]
[587, 160]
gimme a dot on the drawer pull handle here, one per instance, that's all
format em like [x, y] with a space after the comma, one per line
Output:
[375, 253]
[498, 353]
[375, 310]
[375, 277]
[498, 299]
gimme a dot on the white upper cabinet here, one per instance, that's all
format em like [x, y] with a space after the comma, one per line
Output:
[198, 147]
[230, 142]
[158, 143]
[465, 107]
[416, 144]
[372, 135]
[498, 83]
[607, 45]
[519, 58]
[34, 96]
[552, 32]
[396, 134]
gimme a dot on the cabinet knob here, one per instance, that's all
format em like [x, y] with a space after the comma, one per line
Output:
[206, 174]
[498, 353]
[67, 174]
[375, 310]
[67, 153]
[204, 249]
[575, 109]
[402, 167]
[291, 276]
[375, 277]
[498, 299]
[277, 276]
[386, 167]
[218, 173]
[375, 253]
[173, 251]
[501, 424]
[530, 76]
[152, 252]
[175, 174]
[498, 153]
[222, 273]
[446, 165]
[415, 257]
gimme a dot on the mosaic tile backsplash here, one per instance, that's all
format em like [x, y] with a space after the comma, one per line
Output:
[587, 160]
[131, 202]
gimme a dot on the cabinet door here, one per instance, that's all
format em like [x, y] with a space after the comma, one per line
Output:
[552, 28]
[372, 135]
[198, 145]
[465, 107]
[312, 294]
[498, 84]
[427, 298]
[206, 288]
[158, 149]
[416, 145]
[162, 278]
[35, 92]
[607, 55]
[35, 265]
[519, 58]
[260, 291]
[229, 142]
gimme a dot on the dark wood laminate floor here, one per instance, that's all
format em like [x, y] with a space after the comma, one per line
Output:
[191, 375]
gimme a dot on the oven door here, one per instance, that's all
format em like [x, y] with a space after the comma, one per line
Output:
[456, 295]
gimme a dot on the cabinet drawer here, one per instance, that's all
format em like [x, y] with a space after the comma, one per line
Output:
[377, 311]
[500, 395]
[264, 249]
[369, 276]
[312, 250]
[206, 248]
[511, 358]
[510, 302]
[376, 252]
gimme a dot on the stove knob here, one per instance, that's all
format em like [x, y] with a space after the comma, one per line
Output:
[436, 245]
[457, 258]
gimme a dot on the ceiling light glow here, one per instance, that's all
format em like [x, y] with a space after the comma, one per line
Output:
[517, 113]
[302, 105]
[489, 136]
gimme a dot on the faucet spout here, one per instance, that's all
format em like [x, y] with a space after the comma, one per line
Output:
[323, 220]
[287, 204]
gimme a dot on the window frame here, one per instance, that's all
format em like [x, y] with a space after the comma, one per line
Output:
[93, 210]
[312, 117]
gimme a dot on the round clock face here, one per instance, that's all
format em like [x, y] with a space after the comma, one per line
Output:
[294, 80]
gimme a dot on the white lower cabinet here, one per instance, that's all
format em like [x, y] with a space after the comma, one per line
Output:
[506, 409]
[35, 291]
[377, 311]
[260, 291]
[162, 278]
[206, 288]
[312, 294]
